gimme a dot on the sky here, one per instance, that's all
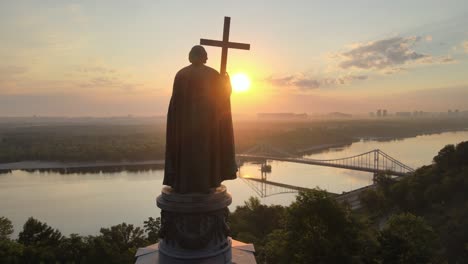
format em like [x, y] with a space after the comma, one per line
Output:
[113, 58]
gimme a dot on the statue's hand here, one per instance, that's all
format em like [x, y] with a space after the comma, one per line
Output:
[227, 82]
[226, 78]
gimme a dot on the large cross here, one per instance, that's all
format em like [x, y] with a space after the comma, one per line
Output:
[225, 44]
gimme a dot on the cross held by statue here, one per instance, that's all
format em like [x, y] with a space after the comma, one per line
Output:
[225, 44]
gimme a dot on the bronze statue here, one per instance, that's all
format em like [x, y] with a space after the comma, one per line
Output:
[199, 140]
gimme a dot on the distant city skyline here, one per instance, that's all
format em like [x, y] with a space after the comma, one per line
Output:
[114, 58]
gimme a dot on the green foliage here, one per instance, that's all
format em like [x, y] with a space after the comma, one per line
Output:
[152, 227]
[73, 249]
[446, 157]
[145, 140]
[407, 239]
[276, 248]
[255, 212]
[320, 230]
[82, 143]
[117, 244]
[6, 228]
[437, 193]
[125, 236]
[374, 201]
[11, 252]
[265, 218]
[430, 225]
[36, 233]
[40, 242]
[313, 229]
[451, 156]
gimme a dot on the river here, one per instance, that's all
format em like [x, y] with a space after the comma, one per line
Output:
[82, 203]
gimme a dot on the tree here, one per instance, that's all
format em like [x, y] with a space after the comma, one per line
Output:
[124, 235]
[446, 157]
[10, 252]
[73, 249]
[461, 155]
[36, 233]
[276, 248]
[152, 227]
[319, 230]
[384, 182]
[374, 202]
[117, 244]
[243, 221]
[254, 221]
[6, 228]
[407, 239]
[40, 242]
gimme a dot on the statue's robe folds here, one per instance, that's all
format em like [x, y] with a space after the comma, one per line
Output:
[199, 140]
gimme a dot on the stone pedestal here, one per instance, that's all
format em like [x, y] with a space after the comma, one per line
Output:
[194, 227]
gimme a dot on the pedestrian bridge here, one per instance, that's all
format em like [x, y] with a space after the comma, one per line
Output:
[374, 161]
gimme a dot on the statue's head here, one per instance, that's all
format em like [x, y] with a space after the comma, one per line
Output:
[198, 55]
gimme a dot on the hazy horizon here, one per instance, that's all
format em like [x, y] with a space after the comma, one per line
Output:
[117, 58]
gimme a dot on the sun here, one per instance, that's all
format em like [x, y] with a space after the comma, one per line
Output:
[240, 82]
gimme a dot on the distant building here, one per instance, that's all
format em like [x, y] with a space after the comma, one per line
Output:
[339, 115]
[403, 114]
[381, 113]
[282, 116]
[420, 113]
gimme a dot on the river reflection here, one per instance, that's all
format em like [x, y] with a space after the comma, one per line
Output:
[82, 203]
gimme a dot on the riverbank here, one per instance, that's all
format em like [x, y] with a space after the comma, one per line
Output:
[46, 165]
[109, 166]
[63, 146]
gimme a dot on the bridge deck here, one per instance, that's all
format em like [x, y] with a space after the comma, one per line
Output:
[283, 185]
[322, 163]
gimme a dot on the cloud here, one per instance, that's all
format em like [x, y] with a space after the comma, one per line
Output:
[8, 71]
[385, 56]
[305, 82]
[95, 69]
[382, 54]
[108, 82]
[447, 59]
[465, 46]
[98, 77]
[438, 60]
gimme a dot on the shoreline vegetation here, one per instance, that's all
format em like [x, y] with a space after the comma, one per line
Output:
[69, 146]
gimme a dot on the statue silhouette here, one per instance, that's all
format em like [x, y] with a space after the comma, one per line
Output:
[199, 140]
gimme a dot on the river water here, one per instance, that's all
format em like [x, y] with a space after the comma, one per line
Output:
[82, 203]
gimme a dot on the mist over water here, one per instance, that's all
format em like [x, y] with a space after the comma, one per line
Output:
[83, 203]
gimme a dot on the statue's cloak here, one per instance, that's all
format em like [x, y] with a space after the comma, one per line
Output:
[199, 140]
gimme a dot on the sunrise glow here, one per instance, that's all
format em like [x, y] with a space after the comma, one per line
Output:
[240, 82]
